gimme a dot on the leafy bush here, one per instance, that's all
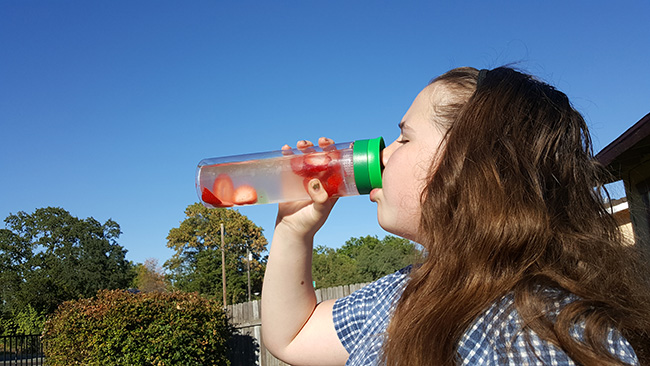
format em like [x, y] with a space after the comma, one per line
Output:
[25, 321]
[121, 328]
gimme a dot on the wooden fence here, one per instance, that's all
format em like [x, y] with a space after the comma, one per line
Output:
[247, 345]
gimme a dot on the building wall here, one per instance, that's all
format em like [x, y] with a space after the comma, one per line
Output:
[636, 181]
[621, 213]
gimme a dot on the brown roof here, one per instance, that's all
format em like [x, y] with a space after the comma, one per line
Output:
[628, 149]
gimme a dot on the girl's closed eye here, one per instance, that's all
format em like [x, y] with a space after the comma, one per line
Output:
[402, 140]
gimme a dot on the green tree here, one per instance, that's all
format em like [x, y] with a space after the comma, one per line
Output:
[23, 321]
[149, 276]
[331, 268]
[376, 258]
[50, 256]
[196, 265]
[362, 259]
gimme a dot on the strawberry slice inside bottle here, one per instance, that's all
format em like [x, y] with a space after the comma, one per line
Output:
[297, 164]
[224, 189]
[210, 198]
[316, 163]
[245, 195]
[324, 166]
[333, 184]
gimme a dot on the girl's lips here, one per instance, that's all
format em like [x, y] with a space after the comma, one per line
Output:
[373, 194]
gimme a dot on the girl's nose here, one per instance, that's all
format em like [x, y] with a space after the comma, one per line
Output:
[387, 152]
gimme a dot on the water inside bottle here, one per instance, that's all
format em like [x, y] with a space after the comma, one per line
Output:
[279, 179]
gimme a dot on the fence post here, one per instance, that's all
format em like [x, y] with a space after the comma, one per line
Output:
[22, 349]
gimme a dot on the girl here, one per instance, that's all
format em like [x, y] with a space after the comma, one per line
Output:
[493, 174]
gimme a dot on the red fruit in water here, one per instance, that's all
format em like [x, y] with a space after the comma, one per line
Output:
[245, 195]
[332, 152]
[334, 167]
[210, 198]
[333, 184]
[316, 163]
[223, 189]
[297, 164]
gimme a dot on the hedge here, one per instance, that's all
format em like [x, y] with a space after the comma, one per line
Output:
[121, 328]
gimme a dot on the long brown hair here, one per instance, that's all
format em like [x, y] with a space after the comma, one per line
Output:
[514, 206]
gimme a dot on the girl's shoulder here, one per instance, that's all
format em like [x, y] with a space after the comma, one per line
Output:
[390, 283]
[360, 319]
[498, 337]
[378, 295]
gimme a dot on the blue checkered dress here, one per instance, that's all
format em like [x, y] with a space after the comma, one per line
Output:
[495, 337]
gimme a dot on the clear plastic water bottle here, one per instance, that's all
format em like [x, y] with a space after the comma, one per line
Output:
[344, 169]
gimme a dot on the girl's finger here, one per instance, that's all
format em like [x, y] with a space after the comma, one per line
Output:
[324, 142]
[316, 191]
[305, 146]
[322, 203]
[286, 150]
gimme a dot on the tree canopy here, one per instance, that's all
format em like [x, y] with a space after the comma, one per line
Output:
[149, 276]
[196, 264]
[50, 256]
[362, 259]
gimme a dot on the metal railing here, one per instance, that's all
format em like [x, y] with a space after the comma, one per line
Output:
[19, 350]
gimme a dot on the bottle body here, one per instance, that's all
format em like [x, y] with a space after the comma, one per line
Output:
[283, 175]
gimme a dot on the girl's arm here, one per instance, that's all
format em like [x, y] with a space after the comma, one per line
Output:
[295, 328]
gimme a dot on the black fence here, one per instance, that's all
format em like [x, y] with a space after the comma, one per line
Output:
[19, 350]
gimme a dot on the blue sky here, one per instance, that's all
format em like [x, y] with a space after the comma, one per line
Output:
[106, 107]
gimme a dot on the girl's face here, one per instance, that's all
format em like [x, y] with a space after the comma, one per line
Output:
[407, 163]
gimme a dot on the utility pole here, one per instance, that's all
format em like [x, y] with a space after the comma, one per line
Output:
[223, 267]
[248, 270]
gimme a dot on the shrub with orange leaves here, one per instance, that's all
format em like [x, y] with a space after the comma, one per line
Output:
[122, 328]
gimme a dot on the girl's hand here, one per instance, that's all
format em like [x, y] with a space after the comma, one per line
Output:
[296, 328]
[304, 218]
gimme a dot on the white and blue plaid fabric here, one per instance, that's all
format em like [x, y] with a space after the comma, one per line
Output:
[495, 337]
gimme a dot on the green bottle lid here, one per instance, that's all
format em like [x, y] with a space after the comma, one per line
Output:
[366, 158]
